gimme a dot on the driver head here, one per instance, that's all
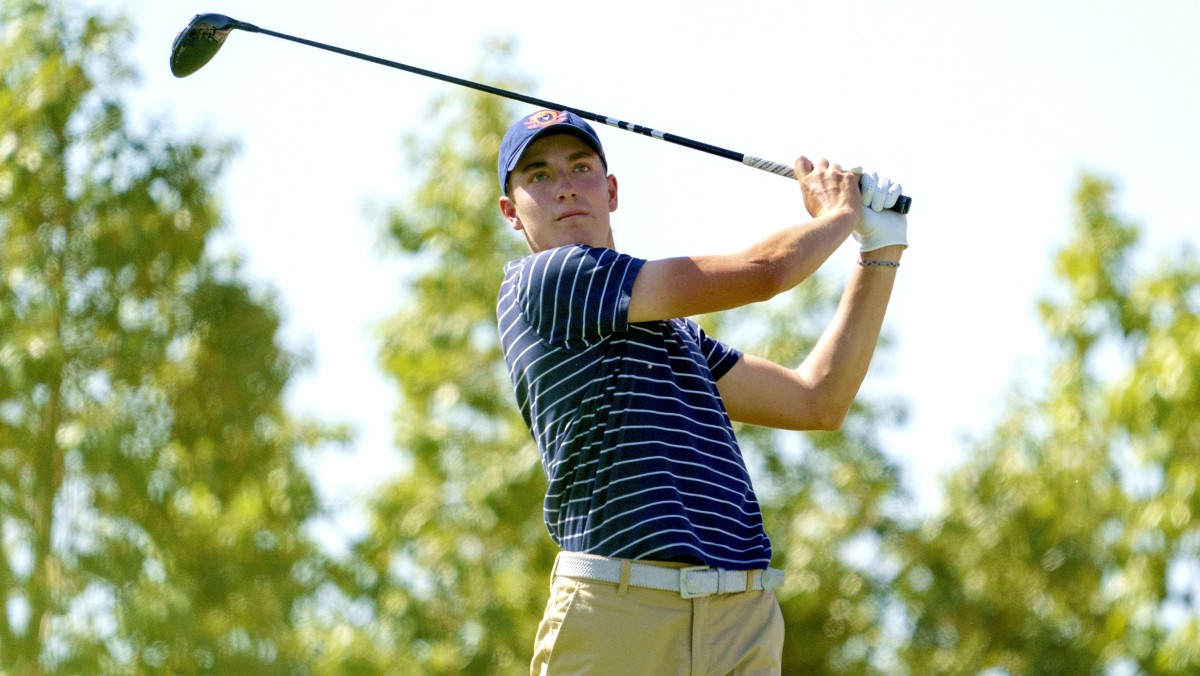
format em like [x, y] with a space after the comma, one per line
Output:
[199, 41]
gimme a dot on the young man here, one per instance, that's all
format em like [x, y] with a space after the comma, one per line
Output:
[664, 568]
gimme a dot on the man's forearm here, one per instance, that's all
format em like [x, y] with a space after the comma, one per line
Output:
[839, 362]
[794, 254]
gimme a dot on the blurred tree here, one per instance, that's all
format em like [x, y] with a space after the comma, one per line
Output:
[1069, 543]
[455, 568]
[151, 505]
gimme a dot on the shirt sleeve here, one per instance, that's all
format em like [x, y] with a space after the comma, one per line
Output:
[720, 356]
[577, 294]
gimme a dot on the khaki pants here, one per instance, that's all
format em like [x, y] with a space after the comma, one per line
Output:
[599, 628]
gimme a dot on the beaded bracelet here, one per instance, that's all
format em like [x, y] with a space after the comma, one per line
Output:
[881, 264]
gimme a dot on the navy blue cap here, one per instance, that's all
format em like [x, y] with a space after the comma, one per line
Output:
[542, 123]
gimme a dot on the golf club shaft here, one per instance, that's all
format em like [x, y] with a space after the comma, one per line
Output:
[902, 204]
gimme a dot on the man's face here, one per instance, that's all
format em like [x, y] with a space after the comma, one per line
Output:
[559, 194]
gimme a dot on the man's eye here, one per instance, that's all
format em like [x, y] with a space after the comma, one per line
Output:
[538, 177]
[581, 168]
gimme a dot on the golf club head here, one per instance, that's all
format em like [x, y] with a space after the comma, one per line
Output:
[199, 41]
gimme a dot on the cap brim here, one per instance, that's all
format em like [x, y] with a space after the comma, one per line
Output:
[550, 131]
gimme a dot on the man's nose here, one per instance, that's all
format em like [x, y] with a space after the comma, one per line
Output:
[566, 189]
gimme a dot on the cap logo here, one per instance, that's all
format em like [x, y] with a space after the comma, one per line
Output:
[544, 118]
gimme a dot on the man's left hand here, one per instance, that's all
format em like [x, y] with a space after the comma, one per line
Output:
[880, 227]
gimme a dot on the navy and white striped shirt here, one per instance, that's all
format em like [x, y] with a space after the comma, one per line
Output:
[638, 450]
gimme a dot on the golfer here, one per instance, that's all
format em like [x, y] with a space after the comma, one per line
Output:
[664, 567]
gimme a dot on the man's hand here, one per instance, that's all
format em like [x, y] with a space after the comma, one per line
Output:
[880, 227]
[827, 187]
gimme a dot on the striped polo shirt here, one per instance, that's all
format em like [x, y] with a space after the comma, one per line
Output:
[639, 454]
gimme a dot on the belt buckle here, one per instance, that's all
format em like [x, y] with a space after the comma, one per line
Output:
[685, 589]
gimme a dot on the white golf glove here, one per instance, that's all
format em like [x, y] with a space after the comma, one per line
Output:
[879, 226]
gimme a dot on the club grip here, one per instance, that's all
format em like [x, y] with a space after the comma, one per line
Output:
[903, 202]
[902, 205]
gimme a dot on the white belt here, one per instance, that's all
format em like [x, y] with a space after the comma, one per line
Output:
[690, 582]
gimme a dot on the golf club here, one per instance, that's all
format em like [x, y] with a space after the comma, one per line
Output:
[199, 41]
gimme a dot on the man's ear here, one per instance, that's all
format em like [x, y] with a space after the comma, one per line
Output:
[612, 193]
[509, 209]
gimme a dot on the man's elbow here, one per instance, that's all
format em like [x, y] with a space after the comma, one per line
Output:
[829, 418]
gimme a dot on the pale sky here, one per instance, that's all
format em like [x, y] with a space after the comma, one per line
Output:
[985, 112]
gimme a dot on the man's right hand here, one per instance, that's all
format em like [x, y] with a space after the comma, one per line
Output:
[828, 188]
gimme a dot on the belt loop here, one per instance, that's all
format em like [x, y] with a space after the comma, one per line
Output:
[554, 569]
[752, 576]
[626, 567]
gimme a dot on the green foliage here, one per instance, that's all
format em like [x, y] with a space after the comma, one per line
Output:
[150, 502]
[1066, 539]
